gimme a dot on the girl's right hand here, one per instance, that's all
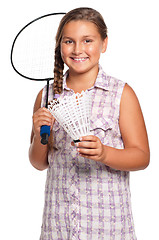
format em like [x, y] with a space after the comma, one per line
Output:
[42, 117]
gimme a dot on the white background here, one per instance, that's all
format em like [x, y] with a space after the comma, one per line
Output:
[132, 56]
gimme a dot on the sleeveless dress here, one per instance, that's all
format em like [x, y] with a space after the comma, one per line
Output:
[84, 199]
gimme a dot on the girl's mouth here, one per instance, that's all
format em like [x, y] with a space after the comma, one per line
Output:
[82, 59]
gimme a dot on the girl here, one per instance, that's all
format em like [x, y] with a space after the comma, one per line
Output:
[87, 192]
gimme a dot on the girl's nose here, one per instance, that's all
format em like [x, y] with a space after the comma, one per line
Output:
[78, 48]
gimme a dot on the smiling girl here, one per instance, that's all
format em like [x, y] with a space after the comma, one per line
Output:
[87, 192]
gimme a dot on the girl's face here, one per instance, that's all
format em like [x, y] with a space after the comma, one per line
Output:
[81, 46]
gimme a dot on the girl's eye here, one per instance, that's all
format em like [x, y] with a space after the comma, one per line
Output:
[68, 41]
[88, 40]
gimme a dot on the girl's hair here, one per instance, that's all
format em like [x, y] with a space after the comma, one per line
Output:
[86, 14]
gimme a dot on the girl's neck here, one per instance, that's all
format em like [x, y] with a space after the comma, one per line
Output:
[83, 81]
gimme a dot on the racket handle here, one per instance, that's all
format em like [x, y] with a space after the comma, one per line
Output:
[44, 133]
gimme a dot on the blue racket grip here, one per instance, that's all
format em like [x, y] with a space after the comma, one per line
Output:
[44, 133]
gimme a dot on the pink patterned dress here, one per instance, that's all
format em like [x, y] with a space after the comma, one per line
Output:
[84, 199]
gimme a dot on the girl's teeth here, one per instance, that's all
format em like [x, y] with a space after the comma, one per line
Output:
[79, 59]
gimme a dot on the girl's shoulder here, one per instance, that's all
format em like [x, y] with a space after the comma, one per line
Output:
[37, 103]
[129, 96]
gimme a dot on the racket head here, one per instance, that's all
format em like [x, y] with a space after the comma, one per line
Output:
[32, 51]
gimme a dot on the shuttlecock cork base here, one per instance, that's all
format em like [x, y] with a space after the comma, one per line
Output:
[73, 113]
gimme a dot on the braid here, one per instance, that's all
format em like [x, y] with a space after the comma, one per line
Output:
[58, 72]
[57, 85]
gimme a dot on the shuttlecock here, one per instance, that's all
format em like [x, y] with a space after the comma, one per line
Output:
[73, 113]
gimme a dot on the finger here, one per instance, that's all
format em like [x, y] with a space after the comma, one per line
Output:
[42, 121]
[89, 152]
[45, 122]
[89, 138]
[87, 144]
[44, 112]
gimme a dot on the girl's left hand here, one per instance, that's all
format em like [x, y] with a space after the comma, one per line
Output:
[91, 147]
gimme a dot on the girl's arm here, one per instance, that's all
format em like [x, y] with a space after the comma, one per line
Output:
[38, 153]
[136, 154]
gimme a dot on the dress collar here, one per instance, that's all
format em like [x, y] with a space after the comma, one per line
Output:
[101, 80]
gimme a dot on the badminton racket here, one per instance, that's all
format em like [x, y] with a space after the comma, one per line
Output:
[32, 54]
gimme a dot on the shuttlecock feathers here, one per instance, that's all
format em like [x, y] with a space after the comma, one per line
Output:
[73, 113]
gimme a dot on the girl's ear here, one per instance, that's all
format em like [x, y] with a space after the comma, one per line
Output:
[105, 43]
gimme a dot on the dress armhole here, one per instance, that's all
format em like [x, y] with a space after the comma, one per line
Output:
[121, 89]
[50, 96]
[43, 99]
